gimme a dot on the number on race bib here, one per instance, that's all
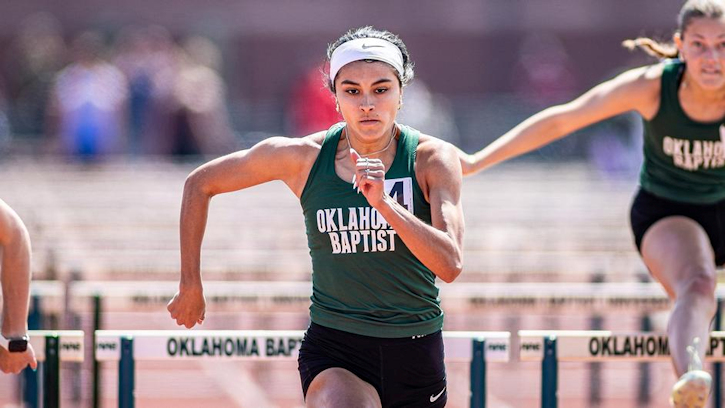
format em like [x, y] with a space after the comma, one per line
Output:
[401, 190]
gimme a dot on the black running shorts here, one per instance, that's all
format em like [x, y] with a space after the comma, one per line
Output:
[406, 372]
[648, 208]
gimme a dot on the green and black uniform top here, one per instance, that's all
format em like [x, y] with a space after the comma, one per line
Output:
[684, 160]
[364, 279]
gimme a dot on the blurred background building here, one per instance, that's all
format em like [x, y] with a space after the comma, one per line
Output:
[183, 77]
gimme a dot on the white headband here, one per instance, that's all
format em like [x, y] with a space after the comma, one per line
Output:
[366, 49]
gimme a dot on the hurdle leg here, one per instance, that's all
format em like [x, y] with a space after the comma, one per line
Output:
[30, 388]
[549, 374]
[96, 391]
[30, 377]
[595, 368]
[717, 367]
[51, 373]
[126, 375]
[645, 378]
[478, 374]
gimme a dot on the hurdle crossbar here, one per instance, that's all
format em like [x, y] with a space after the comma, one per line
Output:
[553, 346]
[263, 295]
[126, 347]
[52, 294]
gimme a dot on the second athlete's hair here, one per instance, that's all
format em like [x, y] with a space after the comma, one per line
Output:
[690, 11]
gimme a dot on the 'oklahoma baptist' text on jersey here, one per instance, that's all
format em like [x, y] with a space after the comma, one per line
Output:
[684, 160]
[364, 279]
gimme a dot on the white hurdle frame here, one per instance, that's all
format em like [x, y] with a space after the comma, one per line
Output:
[126, 347]
[51, 347]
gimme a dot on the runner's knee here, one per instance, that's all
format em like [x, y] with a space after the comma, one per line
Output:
[340, 388]
[699, 283]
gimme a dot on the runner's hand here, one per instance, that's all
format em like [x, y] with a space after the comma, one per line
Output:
[369, 178]
[14, 363]
[188, 307]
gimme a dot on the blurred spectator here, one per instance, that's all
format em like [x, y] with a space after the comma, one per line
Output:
[36, 56]
[146, 57]
[543, 74]
[87, 108]
[615, 145]
[200, 120]
[312, 105]
[5, 133]
[431, 114]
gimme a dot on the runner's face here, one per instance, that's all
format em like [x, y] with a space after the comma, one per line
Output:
[369, 96]
[702, 46]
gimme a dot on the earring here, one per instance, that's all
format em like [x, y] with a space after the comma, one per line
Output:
[337, 107]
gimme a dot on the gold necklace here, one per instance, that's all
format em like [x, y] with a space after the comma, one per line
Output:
[390, 142]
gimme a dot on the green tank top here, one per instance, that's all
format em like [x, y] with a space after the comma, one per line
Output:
[684, 160]
[364, 279]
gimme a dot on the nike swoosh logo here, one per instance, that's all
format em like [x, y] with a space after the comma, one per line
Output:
[365, 46]
[434, 398]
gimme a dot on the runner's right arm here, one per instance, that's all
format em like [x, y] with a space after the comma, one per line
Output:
[15, 279]
[277, 158]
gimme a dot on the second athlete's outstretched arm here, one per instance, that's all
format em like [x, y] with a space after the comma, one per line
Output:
[637, 90]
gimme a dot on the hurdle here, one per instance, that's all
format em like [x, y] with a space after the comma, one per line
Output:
[126, 347]
[52, 347]
[100, 297]
[45, 297]
[50, 296]
[552, 346]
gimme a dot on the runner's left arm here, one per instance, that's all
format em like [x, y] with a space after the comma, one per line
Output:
[439, 245]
